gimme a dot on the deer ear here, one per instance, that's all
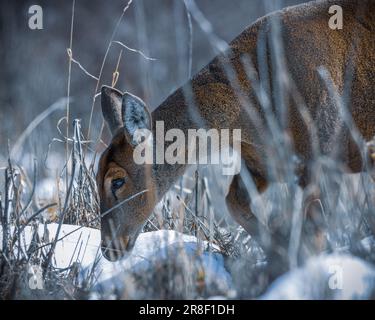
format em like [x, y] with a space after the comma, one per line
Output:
[136, 118]
[111, 108]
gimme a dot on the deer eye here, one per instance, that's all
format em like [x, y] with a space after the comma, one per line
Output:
[117, 184]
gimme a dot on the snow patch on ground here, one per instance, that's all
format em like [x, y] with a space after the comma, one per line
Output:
[165, 249]
[151, 251]
[335, 276]
[164, 254]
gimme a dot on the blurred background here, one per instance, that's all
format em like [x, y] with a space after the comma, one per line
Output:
[34, 63]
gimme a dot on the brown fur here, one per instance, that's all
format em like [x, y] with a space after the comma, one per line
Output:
[308, 44]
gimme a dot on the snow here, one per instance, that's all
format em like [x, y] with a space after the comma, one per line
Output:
[328, 276]
[82, 245]
[152, 249]
[73, 236]
[334, 276]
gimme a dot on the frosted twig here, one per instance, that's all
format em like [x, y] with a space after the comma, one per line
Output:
[58, 105]
[70, 54]
[68, 90]
[134, 50]
[103, 63]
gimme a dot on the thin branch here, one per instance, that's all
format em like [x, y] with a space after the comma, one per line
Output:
[70, 54]
[69, 81]
[17, 148]
[134, 50]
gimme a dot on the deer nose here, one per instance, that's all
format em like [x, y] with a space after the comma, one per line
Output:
[114, 249]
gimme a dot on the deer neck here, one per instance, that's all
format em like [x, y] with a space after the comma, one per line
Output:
[174, 113]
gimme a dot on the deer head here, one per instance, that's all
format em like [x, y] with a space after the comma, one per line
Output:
[125, 187]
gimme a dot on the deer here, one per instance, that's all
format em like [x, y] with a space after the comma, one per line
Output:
[129, 191]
